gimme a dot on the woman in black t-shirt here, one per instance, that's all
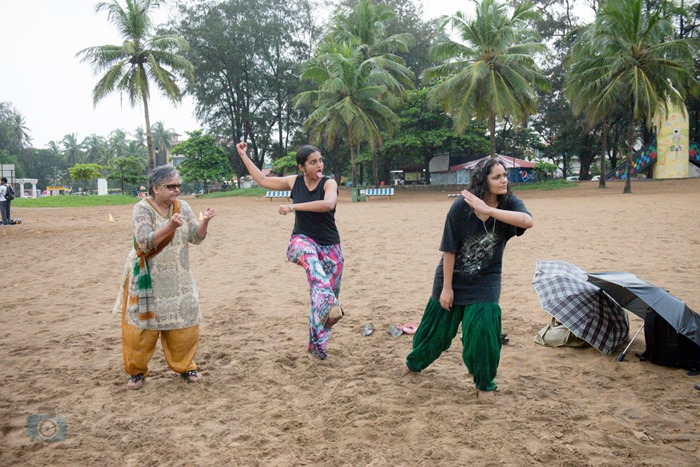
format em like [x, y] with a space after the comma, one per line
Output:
[467, 283]
[315, 243]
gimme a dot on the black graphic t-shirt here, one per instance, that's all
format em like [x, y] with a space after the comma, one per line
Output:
[478, 248]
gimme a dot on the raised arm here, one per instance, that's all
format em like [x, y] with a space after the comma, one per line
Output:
[515, 218]
[273, 183]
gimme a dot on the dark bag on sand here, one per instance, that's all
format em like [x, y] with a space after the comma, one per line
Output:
[666, 347]
[10, 193]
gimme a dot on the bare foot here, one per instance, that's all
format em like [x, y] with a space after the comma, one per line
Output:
[334, 315]
[405, 370]
[485, 394]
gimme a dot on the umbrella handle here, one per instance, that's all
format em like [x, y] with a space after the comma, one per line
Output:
[622, 355]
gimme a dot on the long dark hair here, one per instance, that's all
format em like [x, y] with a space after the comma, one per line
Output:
[479, 183]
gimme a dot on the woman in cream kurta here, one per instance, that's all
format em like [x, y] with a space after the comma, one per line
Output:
[164, 226]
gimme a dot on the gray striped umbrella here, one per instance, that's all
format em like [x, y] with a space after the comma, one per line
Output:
[582, 307]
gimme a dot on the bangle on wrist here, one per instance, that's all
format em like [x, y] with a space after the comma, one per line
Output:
[291, 208]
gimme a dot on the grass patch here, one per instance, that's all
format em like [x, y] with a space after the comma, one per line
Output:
[249, 192]
[557, 184]
[67, 201]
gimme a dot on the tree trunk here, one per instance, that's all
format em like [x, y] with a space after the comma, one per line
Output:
[375, 173]
[352, 158]
[492, 133]
[628, 168]
[149, 136]
[603, 147]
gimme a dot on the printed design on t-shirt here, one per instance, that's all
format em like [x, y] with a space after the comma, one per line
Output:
[475, 255]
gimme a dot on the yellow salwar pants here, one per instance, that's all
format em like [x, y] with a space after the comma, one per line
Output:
[138, 345]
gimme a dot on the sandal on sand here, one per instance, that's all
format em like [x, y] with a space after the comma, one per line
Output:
[192, 376]
[334, 315]
[504, 338]
[136, 381]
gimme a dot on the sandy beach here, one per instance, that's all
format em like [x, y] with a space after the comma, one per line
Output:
[265, 402]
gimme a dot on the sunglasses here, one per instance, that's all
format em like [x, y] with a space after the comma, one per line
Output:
[172, 187]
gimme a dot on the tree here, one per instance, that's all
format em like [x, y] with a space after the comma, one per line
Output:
[427, 131]
[285, 165]
[246, 55]
[43, 164]
[14, 134]
[85, 173]
[95, 149]
[365, 28]
[163, 142]
[143, 58]
[205, 161]
[72, 150]
[128, 169]
[634, 62]
[349, 101]
[490, 70]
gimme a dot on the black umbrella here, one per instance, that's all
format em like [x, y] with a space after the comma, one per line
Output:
[639, 296]
[583, 308]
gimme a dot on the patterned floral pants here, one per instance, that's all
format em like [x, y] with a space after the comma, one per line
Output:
[324, 269]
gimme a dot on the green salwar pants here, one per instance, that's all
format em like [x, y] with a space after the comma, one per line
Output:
[481, 339]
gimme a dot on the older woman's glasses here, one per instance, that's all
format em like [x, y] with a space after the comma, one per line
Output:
[173, 186]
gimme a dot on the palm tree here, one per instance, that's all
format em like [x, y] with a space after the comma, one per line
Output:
[142, 59]
[95, 149]
[365, 28]
[635, 64]
[349, 100]
[72, 150]
[162, 140]
[117, 144]
[489, 71]
[581, 95]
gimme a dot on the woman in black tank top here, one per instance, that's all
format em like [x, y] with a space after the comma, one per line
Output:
[315, 243]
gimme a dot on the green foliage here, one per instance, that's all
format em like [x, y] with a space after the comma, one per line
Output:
[68, 201]
[249, 193]
[629, 59]
[488, 70]
[46, 166]
[128, 169]
[85, 173]
[247, 56]
[426, 132]
[141, 59]
[545, 170]
[14, 134]
[285, 165]
[205, 161]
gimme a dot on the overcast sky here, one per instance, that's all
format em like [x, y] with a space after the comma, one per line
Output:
[52, 89]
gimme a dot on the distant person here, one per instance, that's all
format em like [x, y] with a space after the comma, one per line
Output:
[158, 296]
[315, 242]
[467, 283]
[4, 202]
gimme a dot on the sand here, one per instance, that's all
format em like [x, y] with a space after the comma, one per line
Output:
[264, 402]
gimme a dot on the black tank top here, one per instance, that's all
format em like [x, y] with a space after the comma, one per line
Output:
[320, 226]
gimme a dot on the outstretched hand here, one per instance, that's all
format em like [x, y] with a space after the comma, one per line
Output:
[208, 214]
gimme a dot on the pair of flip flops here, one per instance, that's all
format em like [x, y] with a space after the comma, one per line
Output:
[408, 328]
